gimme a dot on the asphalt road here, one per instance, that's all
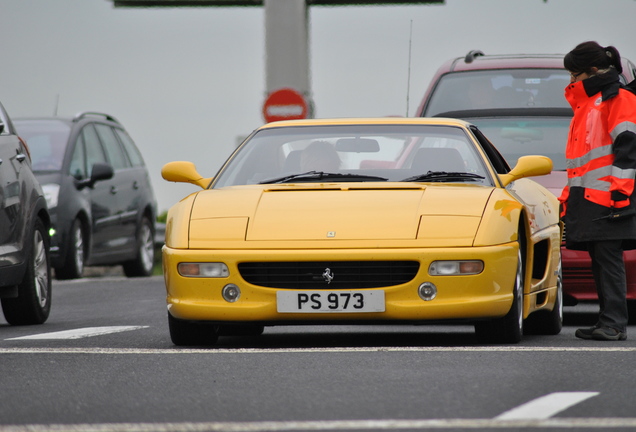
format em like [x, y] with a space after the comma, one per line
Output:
[104, 362]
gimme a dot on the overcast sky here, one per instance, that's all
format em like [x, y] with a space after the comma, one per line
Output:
[187, 83]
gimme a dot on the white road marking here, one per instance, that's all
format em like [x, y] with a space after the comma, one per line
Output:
[601, 424]
[79, 333]
[213, 350]
[546, 406]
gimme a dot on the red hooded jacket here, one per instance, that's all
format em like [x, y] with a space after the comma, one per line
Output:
[601, 162]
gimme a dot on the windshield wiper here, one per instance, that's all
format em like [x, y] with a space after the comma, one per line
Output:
[310, 176]
[444, 176]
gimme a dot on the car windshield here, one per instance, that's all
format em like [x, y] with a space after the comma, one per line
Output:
[499, 88]
[355, 153]
[520, 136]
[46, 140]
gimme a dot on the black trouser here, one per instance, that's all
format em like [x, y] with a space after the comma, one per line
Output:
[608, 268]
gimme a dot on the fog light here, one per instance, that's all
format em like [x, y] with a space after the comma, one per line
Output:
[231, 293]
[427, 291]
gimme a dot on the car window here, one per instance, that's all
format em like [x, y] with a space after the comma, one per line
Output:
[499, 88]
[520, 136]
[391, 152]
[93, 147]
[47, 141]
[131, 149]
[114, 151]
[77, 167]
[499, 163]
[4, 123]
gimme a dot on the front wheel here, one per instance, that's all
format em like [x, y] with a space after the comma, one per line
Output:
[143, 264]
[188, 333]
[33, 304]
[508, 329]
[74, 263]
[631, 310]
[241, 330]
[548, 322]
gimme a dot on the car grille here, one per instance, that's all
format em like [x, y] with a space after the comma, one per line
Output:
[315, 275]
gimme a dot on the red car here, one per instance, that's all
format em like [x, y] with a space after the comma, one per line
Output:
[517, 101]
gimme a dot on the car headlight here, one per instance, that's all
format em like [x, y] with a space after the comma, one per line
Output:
[51, 193]
[204, 270]
[455, 268]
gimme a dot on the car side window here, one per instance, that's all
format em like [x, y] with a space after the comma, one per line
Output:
[115, 153]
[94, 150]
[4, 129]
[77, 168]
[131, 149]
[498, 162]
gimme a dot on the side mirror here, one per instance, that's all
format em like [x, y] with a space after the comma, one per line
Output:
[528, 166]
[100, 171]
[184, 172]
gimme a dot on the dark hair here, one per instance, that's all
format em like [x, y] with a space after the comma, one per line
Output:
[588, 55]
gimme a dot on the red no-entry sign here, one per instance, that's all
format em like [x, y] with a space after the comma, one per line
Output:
[284, 104]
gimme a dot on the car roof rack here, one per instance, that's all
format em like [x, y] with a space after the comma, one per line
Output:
[83, 114]
[472, 55]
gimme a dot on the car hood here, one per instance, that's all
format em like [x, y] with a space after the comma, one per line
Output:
[328, 213]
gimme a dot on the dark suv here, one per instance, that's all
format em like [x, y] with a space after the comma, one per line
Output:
[518, 102]
[98, 192]
[25, 269]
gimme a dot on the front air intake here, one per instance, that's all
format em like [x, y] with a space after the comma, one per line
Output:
[329, 274]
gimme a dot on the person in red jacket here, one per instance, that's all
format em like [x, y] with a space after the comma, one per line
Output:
[598, 205]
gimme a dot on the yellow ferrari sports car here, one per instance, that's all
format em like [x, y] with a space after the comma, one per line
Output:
[364, 221]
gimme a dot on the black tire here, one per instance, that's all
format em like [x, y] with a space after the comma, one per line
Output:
[73, 267]
[33, 304]
[548, 322]
[144, 263]
[241, 330]
[187, 333]
[631, 310]
[508, 329]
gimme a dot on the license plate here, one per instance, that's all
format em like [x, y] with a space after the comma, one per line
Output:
[329, 301]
